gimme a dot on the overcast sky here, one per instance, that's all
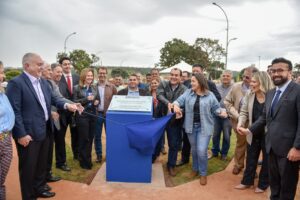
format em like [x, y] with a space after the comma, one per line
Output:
[132, 32]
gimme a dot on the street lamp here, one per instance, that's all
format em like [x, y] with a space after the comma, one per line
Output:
[65, 44]
[227, 30]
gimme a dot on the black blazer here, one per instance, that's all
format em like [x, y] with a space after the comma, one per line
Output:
[30, 117]
[63, 86]
[211, 86]
[141, 91]
[283, 128]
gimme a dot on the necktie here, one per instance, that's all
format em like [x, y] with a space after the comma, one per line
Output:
[275, 101]
[69, 84]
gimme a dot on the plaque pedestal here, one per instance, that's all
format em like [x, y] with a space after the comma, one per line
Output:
[124, 164]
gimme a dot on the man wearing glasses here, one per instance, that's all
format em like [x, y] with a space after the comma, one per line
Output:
[233, 102]
[281, 116]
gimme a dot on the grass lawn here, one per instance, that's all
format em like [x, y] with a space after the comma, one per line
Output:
[86, 176]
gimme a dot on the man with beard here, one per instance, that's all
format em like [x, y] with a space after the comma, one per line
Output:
[281, 116]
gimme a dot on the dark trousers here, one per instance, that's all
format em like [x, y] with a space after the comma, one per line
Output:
[186, 148]
[174, 139]
[32, 167]
[284, 176]
[86, 127]
[60, 144]
[50, 155]
[158, 147]
[253, 151]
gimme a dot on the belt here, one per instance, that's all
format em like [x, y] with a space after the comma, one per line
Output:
[4, 135]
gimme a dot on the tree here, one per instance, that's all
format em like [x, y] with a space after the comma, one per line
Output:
[80, 59]
[211, 47]
[11, 73]
[118, 71]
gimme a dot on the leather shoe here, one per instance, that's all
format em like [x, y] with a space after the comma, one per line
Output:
[99, 159]
[172, 171]
[242, 187]
[258, 190]
[46, 188]
[224, 157]
[180, 163]
[53, 178]
[64, 168]
[203, 180]
[236, 170]
[46, 194]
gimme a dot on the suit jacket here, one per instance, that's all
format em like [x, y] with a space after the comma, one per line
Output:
[232, 102]
[211, 86]
[283, 128]
[141, 91]
[30, 117]
[63, 88]
[109, 91]
[246, 114]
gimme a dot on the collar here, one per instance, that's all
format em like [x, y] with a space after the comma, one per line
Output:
[283, 87]
[31, 78]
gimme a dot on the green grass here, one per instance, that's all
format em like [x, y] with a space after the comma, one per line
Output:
[214, 165]
[86, 176]
[76, 174]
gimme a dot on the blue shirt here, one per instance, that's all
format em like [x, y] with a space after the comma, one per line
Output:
[209, 108]
[7, 116]
[133, 93]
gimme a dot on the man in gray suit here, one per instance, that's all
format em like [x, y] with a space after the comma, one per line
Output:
[281, 116]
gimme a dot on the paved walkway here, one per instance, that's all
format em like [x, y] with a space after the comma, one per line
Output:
[220, 187]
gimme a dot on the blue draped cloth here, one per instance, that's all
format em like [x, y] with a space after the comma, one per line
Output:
[143, 136]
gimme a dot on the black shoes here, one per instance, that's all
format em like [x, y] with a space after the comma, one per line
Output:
[46, 188]
[64, 168]
[46, 194]
[99, 159]
[52, 178]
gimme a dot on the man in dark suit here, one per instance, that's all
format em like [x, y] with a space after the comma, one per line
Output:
[66, 84]
[132, 89]
[186, 147]
[281, 116]
[31, 98]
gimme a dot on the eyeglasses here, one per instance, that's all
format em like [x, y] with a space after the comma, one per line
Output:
[246, 77]
[279, 70]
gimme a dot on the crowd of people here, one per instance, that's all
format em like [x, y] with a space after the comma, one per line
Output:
[263, 110]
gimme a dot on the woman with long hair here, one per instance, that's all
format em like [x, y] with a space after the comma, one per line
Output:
[86, 94]
[251, 109]
[200, 107]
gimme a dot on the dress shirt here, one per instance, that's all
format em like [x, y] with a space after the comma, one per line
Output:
[37, 87]
[133, 92]
[101, 89]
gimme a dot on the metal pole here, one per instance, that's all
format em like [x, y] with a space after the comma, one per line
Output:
[227, 30]
[65, 43]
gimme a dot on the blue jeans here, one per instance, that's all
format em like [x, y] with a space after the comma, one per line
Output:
[224, 125]
[174, 139]
[199, 145]
[98, 134]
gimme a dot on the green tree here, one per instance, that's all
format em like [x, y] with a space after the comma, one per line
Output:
[119, 71]
[11, 73]
[211, 47]
[80, 59]
[178, 50]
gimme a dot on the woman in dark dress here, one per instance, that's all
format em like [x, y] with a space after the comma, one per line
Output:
[250, 111]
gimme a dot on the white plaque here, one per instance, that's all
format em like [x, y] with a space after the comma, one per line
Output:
[131, 103]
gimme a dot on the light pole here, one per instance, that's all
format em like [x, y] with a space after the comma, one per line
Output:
[65, 44]
[227, 30]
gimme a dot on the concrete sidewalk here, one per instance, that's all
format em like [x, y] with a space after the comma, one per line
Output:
[220, 187]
